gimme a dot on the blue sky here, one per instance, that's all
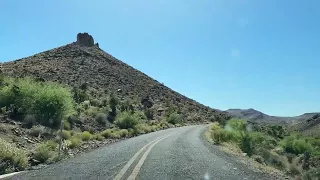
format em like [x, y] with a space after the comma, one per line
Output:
[222, 53]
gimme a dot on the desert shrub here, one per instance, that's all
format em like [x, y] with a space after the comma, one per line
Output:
[3, 128]
[75, 142]
[36, 131]
[237, 124]
[140, 116]
[52, 145]
[257, 141]
[113, 102]
[64, 134]
[115, 135]
[106, 133]
[174, 118]
[42, 153]
[85, 104]
[92, 111]
[149, 113]
[101, 118]
[29, 121]
[296, 144]
[312, 174]
[7, 93]
[86, 136]
[300, 146]
[11, 158]
[66, 125]
[219, 136]
[131, 132]
[126, 120]
[95, 102]
[123, 133]
[98, 137]
[294, 168]
[48, 101]
[154, 128]
[275, 160]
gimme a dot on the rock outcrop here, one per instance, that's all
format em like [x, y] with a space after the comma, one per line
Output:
[85, 39]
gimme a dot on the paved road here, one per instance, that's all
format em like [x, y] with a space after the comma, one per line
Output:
[179, 153]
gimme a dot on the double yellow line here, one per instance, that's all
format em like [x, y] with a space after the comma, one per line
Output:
[137, 168]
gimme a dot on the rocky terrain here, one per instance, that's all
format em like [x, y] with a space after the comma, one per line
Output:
[83, 63]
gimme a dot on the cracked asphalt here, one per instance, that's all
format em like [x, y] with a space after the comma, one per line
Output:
[184, 154]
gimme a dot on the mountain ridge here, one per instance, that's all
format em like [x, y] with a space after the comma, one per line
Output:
[258, 116]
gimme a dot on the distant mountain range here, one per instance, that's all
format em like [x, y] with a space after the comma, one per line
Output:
[307, 123]
[257, 116]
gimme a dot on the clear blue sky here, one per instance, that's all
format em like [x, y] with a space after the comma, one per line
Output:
[223, 53]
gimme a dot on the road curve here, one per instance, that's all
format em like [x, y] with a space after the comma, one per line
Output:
[178, 153]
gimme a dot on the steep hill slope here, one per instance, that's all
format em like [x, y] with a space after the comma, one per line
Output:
[84, 63]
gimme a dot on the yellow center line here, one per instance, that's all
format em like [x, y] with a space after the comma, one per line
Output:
[129, 163]
[136, 170]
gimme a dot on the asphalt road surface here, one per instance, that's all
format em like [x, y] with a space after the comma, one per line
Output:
[178, 153]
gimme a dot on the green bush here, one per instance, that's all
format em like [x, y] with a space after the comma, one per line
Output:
[66, 125]
[106, 133]
[95, 102]
[115, 135]
[123, 133]
[126, 120]
[64, 134]
[98, 137]
[296, 144]
[48, 101]
[42, 153]
[52, 145]
[174, 118]
[237, 124]
[11, 158]
[140, 116]
[219, 136]
[75, 142]
[92, 111]
[86, 136]
[101, 118]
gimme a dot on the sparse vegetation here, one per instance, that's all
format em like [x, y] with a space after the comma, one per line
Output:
[11, 158]
[268, 145]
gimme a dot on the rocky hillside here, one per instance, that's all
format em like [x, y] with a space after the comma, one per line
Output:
[83, 63]
[310, 127]
[307, 123]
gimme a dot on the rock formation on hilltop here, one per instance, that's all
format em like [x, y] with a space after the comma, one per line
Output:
[85, 39]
